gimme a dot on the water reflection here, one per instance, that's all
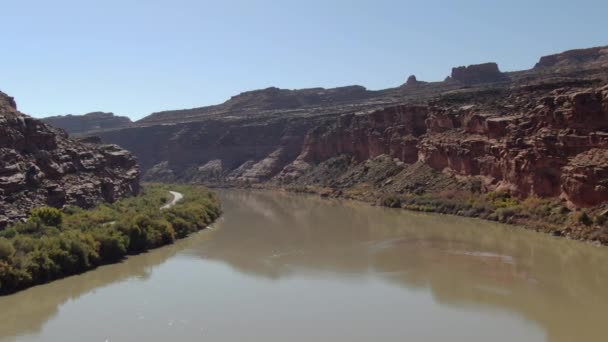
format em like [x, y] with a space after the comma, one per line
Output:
[26, 312]
[468, 265]
[556, 283]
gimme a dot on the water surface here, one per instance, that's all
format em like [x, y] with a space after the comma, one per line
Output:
[283, 267]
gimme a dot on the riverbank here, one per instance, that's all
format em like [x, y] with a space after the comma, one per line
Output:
[54, 243]
[337, 262]
[548, 215]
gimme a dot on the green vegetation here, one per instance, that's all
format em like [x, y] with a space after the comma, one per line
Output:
[48, 216]
[54, 243]
[497, 206]
[391, 201]
[601, 220]
[585, 219]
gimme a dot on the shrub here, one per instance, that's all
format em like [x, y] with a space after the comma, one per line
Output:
[12, 278]
[6, 249]
[24, 243]
[584, 218]
[601, 220]
[506, 214]
[30, 227]
[113, 245]
[138, 238]
[166, 231]
[476, 186]
[391, 201]
[48, 216]
[53, 244]
[182, 227]
[9, 233]
[72, 209]
[501, 199]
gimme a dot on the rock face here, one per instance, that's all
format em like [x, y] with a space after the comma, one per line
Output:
[259, 102]
[40, 165]
[597, 56]
[585, 178]
[412, 81]
[540, 132]
[95, 121]
[478, 73]
[393, 131]
[525, 149]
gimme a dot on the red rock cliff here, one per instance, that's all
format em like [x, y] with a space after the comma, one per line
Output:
[40, 165]
[536, 132]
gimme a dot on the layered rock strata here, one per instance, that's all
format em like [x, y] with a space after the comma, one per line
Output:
[539, 132]
[40, 165]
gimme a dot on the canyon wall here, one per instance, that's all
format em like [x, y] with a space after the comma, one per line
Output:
[539, 132]
[548, 143]
[40, 165]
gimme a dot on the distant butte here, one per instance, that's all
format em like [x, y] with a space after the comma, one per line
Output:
[478, 73]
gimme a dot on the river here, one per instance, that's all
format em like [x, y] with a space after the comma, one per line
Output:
[285, 267]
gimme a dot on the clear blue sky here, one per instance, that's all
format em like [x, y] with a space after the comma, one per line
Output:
[137, 57]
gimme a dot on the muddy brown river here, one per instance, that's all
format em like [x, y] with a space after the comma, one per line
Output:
[284, 267]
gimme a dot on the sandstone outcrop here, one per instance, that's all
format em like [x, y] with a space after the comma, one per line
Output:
[412, 81]
[539, 132]
[597, 56]
[585, 178]
[40, 165]
[478, 73]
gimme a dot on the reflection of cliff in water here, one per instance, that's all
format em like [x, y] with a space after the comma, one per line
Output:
[26, 312]
[557, 283]
[465, 263]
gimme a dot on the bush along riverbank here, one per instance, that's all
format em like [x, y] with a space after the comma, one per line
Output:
[548, 215]
[57, 243]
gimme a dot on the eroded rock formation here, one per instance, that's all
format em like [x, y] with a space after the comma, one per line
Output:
[40, 165]
[541, 132]
[597, 56]
[477, 73]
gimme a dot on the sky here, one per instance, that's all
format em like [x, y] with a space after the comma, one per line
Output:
[138, 57]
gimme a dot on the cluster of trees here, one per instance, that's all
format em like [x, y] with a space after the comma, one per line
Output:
[56, 243]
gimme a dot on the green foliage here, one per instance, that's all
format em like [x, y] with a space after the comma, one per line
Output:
[52, 244]
[48, 216]
[584, 218]
[391, 201]
[497, 206]
[501, 199]
[6, 249]
[601, 220]
[30, 227]
[506, 214]
[545, 210]
[113, 245]
[9, 233]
